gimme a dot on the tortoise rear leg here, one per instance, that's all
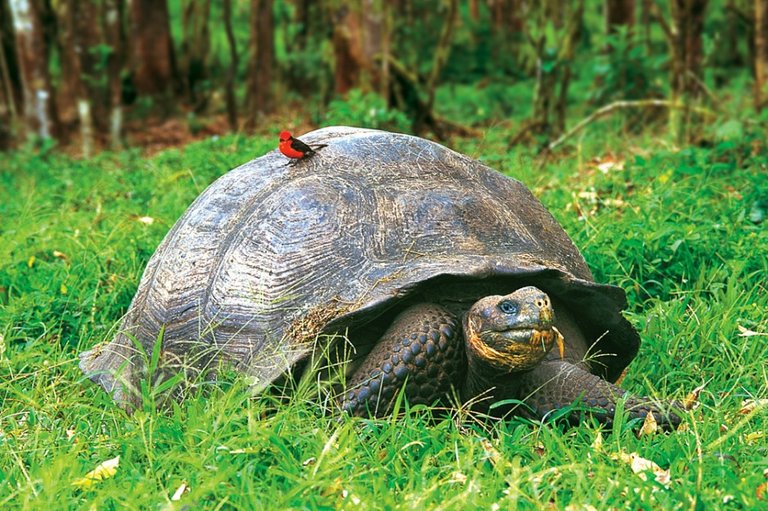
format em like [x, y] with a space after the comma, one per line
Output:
[556, 384]
[421, 350]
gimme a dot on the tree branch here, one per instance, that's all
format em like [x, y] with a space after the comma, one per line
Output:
[442, 51]
[618, 105]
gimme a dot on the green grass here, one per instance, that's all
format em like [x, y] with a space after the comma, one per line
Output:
[671, 228]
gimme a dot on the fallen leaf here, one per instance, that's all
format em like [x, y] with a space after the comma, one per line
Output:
[458, 477]
[491, 453]
[181, 490]
[146, 220]
[597, 445]
[641, 466]
[354, 499]
[608, 165]
[650, 426]
[745, 332]
[103, 471]
[588, 195]
[761, 492]
[693, 397]
[63, 289]
[753, 437]
[30, 261]
[582, 507]
[749, 405]
[60, 255]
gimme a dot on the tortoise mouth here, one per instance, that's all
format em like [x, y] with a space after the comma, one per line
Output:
[532, 336]
[514, 349]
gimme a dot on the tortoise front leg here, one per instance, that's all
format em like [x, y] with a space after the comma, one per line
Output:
[556, 384]
[421, 350]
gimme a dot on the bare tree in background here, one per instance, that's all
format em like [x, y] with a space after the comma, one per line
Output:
[261, 58]
[361, 36]
[80, 99]
[619, 13]
[507, 25]
[39, 110]
[761, 54]
[684, 32]
[10, 87]
[152, 59]
[113, 37]
[229, 87]
[194, 50]
[554, 51]
[348, 58]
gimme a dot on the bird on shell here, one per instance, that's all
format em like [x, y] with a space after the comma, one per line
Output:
[294, 148]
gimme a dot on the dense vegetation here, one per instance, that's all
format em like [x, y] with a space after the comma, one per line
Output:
[107, 72]
[667, 200]
[677, 228]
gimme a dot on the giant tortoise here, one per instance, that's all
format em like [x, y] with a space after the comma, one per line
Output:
[439, 273]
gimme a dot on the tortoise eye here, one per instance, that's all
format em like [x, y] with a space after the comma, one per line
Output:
[508, 307]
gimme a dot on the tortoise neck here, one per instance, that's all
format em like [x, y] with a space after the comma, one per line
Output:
[486, 384]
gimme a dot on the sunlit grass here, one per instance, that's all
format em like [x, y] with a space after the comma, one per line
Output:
[670, 227]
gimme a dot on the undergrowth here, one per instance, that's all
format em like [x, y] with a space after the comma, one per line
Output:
[670, 226]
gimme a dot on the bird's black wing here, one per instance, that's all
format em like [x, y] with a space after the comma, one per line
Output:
[298, 145]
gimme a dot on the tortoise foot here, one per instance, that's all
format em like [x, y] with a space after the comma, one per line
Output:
[420, 351]
[558, 384]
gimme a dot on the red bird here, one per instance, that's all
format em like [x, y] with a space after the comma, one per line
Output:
[294, 148]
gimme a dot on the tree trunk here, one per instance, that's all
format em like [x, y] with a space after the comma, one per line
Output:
[360, 39]
[304, 20]
[619, 13]
[69, 90]
[39, 110]
[194, 50]
[474, 10]
[684, 36]
[442, 51]
[646, 19]
[81, 99]
[233, 61]
[261, 51]
[113, 32]
[153, 65]
[761, 54]
[10, 86]
[553, 72]
[348, 66]
[508, 27]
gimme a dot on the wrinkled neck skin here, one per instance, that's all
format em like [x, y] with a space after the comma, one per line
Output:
[486, 384]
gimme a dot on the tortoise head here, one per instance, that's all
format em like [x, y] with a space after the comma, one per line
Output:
[512, 332]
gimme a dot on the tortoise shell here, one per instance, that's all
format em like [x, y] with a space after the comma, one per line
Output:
[270, 255]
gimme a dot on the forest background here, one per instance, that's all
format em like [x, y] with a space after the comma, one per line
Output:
[100, 73]
[640, 124]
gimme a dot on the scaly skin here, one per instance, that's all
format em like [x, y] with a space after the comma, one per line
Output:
[554, 385]
[502, 356]
[421, 347]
